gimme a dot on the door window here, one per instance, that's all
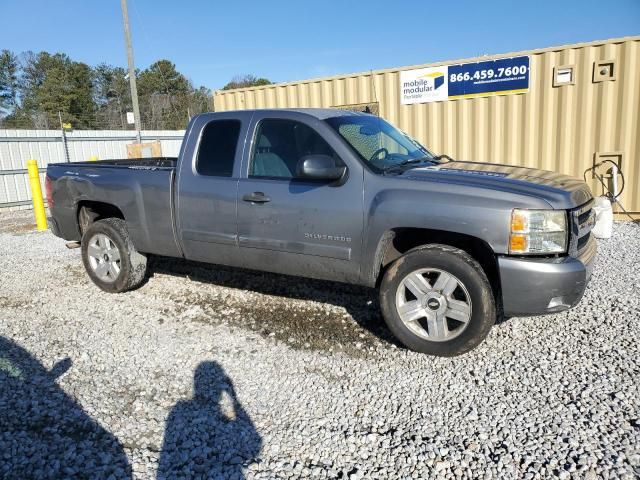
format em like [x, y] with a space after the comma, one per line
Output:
[217, 150]
[280, 144]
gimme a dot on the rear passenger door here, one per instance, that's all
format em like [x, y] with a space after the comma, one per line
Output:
[207, 182]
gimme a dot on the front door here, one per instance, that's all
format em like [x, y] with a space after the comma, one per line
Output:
[291, 225]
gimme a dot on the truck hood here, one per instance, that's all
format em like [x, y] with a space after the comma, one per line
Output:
[559, 190]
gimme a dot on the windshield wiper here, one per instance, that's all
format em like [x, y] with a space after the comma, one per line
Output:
[439, 158]
[405, 164]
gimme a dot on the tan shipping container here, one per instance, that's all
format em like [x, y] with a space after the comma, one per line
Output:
[562, 128]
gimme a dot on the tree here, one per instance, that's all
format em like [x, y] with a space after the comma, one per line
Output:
[109, 84]
[35, 87]
[167, 97]
[8, 80]
[162, 77]
[243, 81]
[112, 96]
[55, 83]
[200, 101]
[68, 89]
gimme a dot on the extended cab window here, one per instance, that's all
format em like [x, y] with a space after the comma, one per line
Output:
[280, 144]
[218, 148]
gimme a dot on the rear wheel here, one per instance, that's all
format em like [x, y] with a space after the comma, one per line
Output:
[109, 257]
[436, 299]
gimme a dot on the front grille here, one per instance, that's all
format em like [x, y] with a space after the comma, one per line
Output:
[582, 222]
[582, 241]
[583, 217]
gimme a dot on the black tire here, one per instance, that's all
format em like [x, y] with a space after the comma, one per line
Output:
[461, 265]
[132, 264]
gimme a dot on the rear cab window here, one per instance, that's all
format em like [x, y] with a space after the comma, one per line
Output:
[217, 150]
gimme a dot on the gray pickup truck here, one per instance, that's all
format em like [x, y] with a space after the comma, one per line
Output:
[341, 196]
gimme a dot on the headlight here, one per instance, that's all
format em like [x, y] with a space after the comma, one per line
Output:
[538, 232]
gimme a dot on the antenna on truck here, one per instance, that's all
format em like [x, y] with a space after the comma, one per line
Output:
[375, 94]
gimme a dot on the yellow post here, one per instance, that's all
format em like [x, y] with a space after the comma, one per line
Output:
[36, 195]
[93, 158]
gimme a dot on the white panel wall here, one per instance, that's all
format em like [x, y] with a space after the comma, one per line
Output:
[46, 146]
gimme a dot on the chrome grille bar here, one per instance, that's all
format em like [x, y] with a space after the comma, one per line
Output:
[582, 222]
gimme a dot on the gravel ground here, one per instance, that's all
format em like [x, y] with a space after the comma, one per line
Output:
[212, 373]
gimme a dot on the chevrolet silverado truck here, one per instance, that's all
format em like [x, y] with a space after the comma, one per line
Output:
[340, 196]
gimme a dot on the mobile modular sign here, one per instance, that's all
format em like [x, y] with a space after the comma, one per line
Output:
[479, 79]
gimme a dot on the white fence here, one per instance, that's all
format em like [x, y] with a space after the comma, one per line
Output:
[50, 146]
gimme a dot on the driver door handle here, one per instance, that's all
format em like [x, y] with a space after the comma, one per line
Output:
[256, 197]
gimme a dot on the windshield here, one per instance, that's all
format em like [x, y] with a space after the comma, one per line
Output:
[378, 143]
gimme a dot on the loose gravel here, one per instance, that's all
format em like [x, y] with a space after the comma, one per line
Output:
[208, 372]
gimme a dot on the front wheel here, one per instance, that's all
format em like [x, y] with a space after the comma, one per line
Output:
[109, 257]
[436, 299]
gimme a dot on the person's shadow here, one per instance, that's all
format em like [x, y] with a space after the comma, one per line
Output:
[209, 436]
[44, 433]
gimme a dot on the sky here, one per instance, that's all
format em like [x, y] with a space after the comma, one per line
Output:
[286, 40]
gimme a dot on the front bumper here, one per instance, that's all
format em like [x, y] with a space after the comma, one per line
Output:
[535, 286]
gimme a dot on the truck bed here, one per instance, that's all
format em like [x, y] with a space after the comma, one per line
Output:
[141, 189]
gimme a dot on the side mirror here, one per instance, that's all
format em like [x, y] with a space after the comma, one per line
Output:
[319, 167]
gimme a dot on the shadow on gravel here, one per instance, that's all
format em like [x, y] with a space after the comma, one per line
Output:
[43, 432]
[310, 326]
[210, 435]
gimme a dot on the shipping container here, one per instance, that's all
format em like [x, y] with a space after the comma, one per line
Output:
[582, 105]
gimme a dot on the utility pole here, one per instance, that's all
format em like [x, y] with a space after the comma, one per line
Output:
[65, 146]
[132, 68]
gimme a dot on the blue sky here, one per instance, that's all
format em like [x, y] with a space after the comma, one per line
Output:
[284, 40]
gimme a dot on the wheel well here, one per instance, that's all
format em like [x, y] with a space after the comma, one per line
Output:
[89, 212]
[400, 240]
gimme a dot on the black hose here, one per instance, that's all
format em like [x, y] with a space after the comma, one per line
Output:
[609, 194]
[612, 198]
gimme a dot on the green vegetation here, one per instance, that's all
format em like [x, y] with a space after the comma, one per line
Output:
[243, 81]
[37, 88]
